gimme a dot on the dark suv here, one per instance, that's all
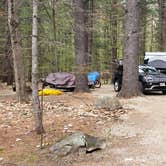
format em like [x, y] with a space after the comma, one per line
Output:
[149, 77]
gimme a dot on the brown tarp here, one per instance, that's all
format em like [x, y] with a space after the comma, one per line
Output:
[61, 80]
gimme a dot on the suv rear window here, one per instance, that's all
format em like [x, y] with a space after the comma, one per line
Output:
[147, 69]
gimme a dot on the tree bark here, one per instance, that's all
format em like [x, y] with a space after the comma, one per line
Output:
[53, 3]
[91, 29]
[130, 84]
[6, 61]
[142, 31]
[162, 25]
[8, 55]
[35, 98]
[13, 23]
[114, 33]
[81, 41]
[152, 39]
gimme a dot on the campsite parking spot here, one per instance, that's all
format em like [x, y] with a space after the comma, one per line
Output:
[135, 138]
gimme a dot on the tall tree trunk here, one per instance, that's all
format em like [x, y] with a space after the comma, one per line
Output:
[152, 35]
[53, 3]
[142, 31]
[6, 67]
[162, 25]
[13, 23]
[87, 30]
[91, 29]
[35, 98]
[80, 46]
[130, 84]
[93, 50]
[8, 54]
[114, 33]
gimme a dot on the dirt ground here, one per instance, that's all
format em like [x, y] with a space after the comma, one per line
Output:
[136, 135]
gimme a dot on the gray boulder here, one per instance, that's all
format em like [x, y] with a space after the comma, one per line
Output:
[75, 141]
[108, 103]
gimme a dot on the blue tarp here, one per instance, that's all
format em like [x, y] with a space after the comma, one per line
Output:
[93, 76]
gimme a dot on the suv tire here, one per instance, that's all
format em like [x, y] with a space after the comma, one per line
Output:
[164, 92]
[141, 87]
[117, 85]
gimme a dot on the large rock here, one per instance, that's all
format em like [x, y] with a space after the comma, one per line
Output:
[108, 103]
[75, 141]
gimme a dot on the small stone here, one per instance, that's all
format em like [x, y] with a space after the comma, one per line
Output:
[100, 122]
[18, 139]
[44, 144]
[81, 106]
[1, 158]
[129, 159]
[70, 125]
[65, 128]
[38, 146]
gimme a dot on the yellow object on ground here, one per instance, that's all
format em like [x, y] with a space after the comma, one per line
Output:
[46, 92]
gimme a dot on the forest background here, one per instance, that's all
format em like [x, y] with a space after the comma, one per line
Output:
[105, 25]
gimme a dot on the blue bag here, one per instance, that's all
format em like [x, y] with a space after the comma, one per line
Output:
[93, 76]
